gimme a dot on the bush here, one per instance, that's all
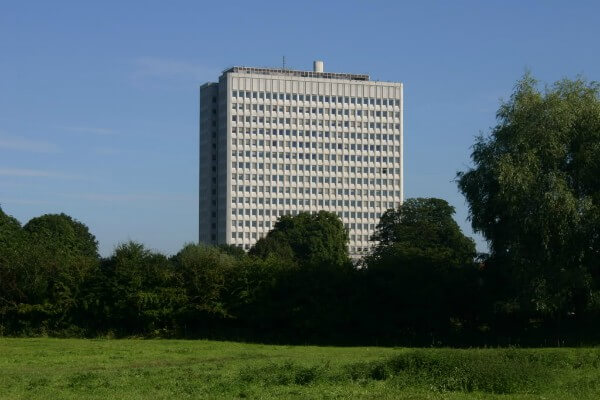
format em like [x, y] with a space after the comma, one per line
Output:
[287, 373]
[491, 371]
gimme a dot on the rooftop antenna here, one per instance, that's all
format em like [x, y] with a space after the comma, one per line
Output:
[283, 62]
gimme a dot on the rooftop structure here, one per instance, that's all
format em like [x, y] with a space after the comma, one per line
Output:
[297, 73]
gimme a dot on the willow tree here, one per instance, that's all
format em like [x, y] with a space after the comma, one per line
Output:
[534, 193]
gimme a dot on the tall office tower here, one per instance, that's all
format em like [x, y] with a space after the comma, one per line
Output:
[280, 141]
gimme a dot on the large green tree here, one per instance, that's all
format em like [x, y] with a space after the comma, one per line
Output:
[135, 291]
[307, 264]
[12, 247]
[534, 193]
[206, 273]
[313, 240]
[61, 233]
[424, 224]
[54, 256]
[421, 275]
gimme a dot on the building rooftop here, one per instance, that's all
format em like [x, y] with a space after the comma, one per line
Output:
[291, 72]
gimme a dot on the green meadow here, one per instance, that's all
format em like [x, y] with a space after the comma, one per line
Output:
[43, 368]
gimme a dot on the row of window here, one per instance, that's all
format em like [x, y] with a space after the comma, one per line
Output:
[305, 167]
[240, 108]
[293, 201]
[321, 145]
[331, 180]
[305, 158]
[267, 212]
[238, 225]
[366, 215]
[247, 235]
[321, 157]
[359, 238]
[293, 191]
[373, 136]
[246, 94]
[242, 178]
[314, 122]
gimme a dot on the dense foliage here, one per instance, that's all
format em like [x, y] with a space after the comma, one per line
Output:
[421, 276]
[311, 240]
[533, 192]
[43, 267]
[296, 284]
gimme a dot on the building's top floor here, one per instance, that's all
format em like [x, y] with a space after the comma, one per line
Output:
[317, 72]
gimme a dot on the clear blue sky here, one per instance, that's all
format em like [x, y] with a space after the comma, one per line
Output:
[99, 100]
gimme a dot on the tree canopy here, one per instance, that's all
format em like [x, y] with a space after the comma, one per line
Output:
[12, 247]
[312, 240]
[424, 224]
[534, 193]
[61, 231]
[134, 290]
[205, 272]
[422, 269]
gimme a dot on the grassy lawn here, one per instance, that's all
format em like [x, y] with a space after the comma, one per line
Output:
[172, 369]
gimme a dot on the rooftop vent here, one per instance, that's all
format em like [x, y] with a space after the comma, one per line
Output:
[318, 66]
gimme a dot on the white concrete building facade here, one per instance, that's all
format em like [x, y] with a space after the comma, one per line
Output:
[280, 141]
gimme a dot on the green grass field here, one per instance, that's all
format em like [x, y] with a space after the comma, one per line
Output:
[176, 369]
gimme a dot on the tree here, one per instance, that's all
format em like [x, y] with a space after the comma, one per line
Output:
[421, 275]
[135, 291]
[424, 224]
[205, 273]
[9, 228]
[312, 240]
[12, 248]
[308, 261]
[61, 232]
[56, 255]
[534, 194]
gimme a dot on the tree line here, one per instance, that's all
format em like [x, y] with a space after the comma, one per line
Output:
[533, 192]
